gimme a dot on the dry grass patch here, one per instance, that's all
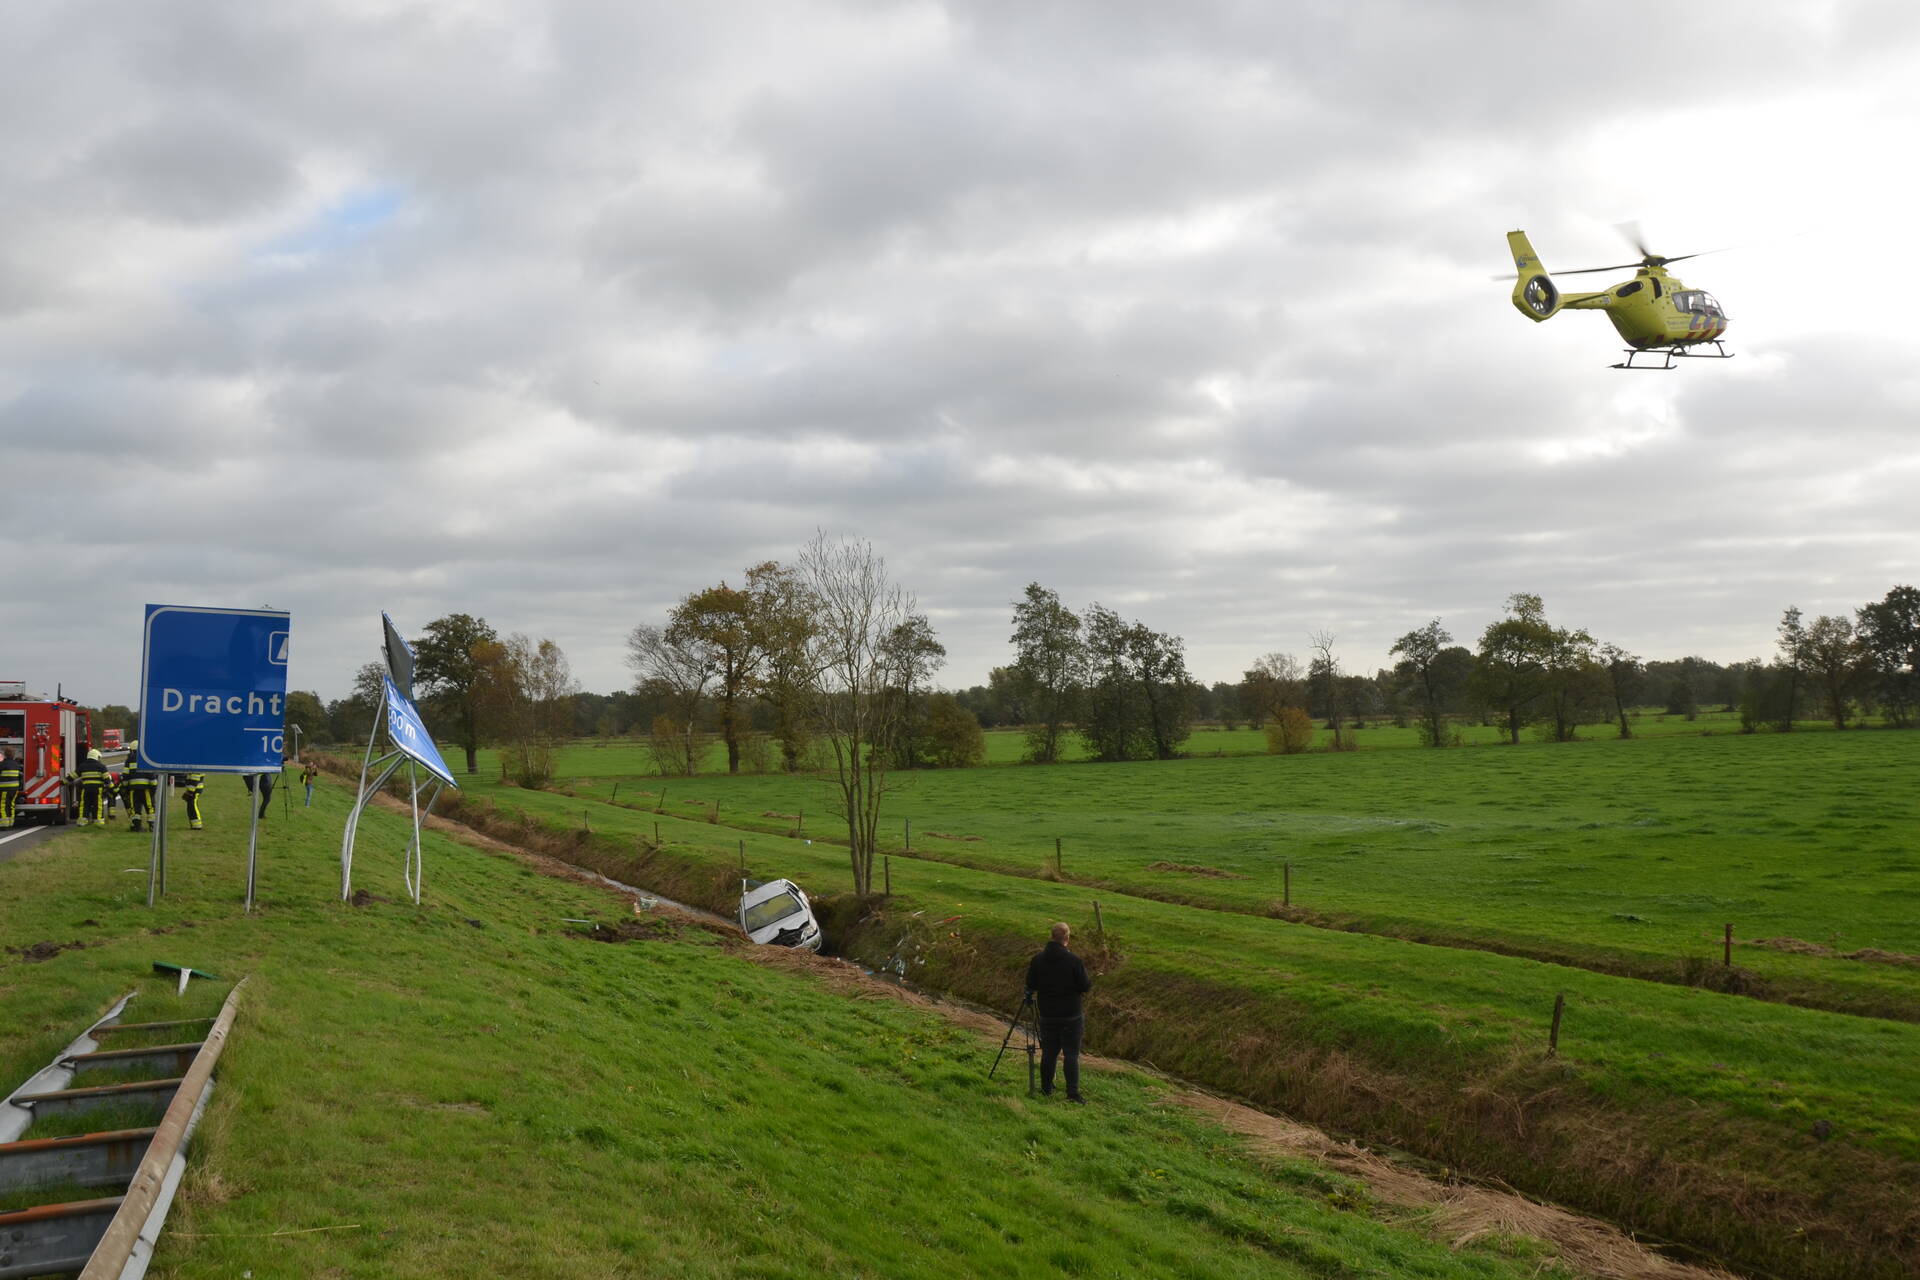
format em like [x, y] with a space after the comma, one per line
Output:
[1195, 869]
[1461, 1213]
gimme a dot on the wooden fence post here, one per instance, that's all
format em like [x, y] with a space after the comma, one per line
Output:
[1056, 856]
[1286, 884]
[1726, 949]
[1099, 925]
[887, 868]
[1553, 1035]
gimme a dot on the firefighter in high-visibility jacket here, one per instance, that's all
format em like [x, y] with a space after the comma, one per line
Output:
[191, 787]
[90, 777]
[137, 784]
[12, 774]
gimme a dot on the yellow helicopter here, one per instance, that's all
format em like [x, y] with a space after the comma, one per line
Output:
[1654, 313]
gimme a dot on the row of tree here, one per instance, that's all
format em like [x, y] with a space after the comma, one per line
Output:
[742, 664]
[1524, 672]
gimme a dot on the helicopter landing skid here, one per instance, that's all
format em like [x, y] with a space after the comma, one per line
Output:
[1669, 354]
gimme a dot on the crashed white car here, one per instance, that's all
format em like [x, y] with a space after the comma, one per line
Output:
[778, 914]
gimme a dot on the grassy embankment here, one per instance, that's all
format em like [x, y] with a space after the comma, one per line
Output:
[476, 1088]
[1625, 857]
[1776, 1135]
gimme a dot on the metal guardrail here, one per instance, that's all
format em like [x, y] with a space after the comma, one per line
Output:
[137, 1222]
[110, 1238]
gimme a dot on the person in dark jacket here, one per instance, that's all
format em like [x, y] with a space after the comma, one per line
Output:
[12, 775]
[1056, 980]
[139, 784]
[260, 784]
[91, 779]
[192, 787]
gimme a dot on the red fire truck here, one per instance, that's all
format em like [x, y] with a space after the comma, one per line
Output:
[49, 736]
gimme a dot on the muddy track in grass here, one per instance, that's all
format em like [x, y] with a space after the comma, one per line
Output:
[1455, 1210]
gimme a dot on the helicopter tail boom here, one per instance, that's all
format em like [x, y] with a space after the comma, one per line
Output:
[1535, 295]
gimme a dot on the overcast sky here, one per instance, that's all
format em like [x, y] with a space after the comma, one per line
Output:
[554, 312]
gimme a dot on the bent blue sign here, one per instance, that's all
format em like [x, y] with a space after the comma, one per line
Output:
[410, 736]
[213, 689]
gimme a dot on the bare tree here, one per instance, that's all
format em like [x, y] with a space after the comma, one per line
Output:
[857, 610]
[1323, 680]
[682, 667]
[528, 690]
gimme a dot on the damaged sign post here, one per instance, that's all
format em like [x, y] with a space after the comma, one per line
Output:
[412, 746]
[213, 699]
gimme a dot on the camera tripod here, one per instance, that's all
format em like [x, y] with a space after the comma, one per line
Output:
[1025, 1006]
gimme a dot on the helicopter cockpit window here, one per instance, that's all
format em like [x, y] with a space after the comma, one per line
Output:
[1698, 301]
[1627, 290]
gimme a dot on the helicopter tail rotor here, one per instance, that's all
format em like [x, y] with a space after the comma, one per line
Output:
[1534, 293]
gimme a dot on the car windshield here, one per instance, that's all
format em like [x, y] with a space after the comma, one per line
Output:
[762, 914]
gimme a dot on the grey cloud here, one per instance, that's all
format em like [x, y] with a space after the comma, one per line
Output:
[1183, 309]
[192, 166]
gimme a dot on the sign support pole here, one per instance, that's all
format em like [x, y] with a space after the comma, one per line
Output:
[388, 764]
[157, 846]
[254, 802]
[360, 800]
[415, 869]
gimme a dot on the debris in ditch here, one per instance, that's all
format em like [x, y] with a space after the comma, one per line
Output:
[632, 931]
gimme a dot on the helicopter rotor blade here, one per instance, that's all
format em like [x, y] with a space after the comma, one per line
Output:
[1587, 271]
[1631, 230]
[1699, 254]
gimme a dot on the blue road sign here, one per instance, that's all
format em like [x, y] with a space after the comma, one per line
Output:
[410, 736]
[213, 689]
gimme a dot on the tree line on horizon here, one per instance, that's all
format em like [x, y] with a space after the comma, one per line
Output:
[729, 664]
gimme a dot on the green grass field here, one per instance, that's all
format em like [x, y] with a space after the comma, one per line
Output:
[1538, 847]
[1628, 856]
[630, 758]
[476, 1088]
